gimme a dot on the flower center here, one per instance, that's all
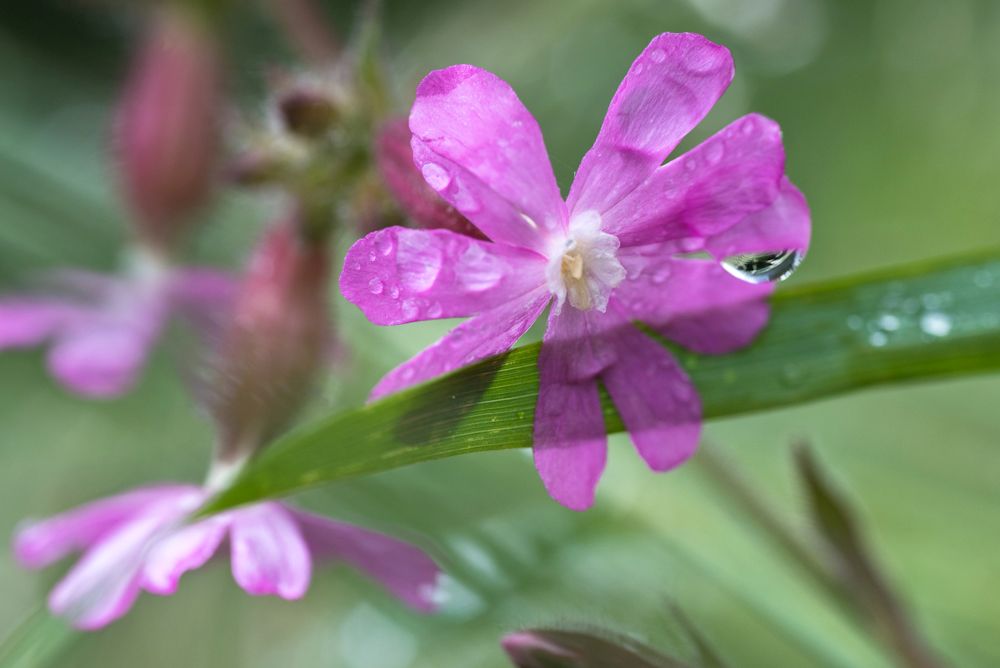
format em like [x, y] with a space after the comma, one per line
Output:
[584, 268]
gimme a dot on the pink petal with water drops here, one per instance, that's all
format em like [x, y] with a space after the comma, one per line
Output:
[269, 553]
[398, 275]
[481, 150]
[784, 225]
[183, 550]
[404, 569]
[38, 544]
[576, 343]
[487, 334]
[28, 321]
[657, 402]
[667, 91]
[708, 310]
[734, 173]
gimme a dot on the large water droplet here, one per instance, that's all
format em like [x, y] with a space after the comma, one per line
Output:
[763, 267]
[436, 176]
[657, 55]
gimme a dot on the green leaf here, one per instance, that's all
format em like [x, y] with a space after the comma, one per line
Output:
[927, 321]
[37, 641]
[559, 648]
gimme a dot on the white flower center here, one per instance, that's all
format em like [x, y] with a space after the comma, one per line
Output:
[583, 267]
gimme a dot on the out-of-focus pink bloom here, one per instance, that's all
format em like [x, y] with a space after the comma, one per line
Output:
[140, 540]
[100, 329]
[275, 342]
[426, 208]
[168, 125]
[616, 251]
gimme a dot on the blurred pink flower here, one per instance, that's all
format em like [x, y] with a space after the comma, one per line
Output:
[611, 254]
[140, 540]
[168, 124]
[100, 328]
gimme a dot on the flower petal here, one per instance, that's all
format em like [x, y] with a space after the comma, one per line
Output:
[570, 446]
[102, 353]
[785, 225]
[489, 333]
[736, 172]
[656, 400]
[204, 296]
[27, 321]
[39, 544]
[269, 554]
[482, 151]
[404, 569]
[708, 310]
[669, 88]
[397, 275]
[183, 550]
[102, 586]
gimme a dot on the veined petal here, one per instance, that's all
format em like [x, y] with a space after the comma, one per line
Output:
[403, 569]
[104, 584]
[184, 550]
[489, 333]
[667, 91]
[693, 302]
[570, 447]
[481, 150]
[38, 544]
[736, 172]
[784, 225]
[29, 321]
[575, 347]
[657, 402]
[397, 275]
[269, 554]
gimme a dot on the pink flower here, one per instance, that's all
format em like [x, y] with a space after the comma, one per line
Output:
[100, 329]
[140, 540]
[611, 254]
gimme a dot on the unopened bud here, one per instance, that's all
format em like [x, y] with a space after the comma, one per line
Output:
[276, 343]
[307, 113]
[168, 125]
[425, 207]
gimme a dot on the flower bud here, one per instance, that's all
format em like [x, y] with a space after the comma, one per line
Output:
[168, 125]
[276, 342]
[425, 207]
[306, 113]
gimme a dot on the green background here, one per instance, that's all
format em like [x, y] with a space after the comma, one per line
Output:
[890, 117]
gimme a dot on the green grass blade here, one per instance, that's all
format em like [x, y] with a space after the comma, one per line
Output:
[913, 323]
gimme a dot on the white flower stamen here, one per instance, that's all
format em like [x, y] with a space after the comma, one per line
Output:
[583, 267]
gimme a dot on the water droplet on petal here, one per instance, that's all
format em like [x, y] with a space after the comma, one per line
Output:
[436, 176]
[661, 275]
[714, 152]
[638, 68]
[384, 244]
[748, 126]
[394, 292]
[410, 308]
[434, 311]
[371, 256]
[657, 55]
[691, 164]
[375, 286]
[763, 267]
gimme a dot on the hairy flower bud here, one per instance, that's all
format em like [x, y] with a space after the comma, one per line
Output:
[425, 207]
[168, 125]
[276, 341]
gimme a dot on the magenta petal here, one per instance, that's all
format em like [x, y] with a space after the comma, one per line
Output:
[26, 321]
[41, 543]
[669, 88]
[404, 569]
[479, 148]
[183, 550]
[656, 400]
[489, 333]
[397, 275]
[708, 310]
[269, 554]
[102, 586]
[784, 225]
[734, 173]
[575, 346]
[570, 442]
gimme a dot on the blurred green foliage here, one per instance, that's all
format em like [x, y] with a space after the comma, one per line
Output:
[889, 111]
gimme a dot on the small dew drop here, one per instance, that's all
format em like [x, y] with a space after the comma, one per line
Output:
[639, 67]
[763, 267]
[792, 374]
[375, 286]
[410, 308]
[384, 244]
[434, 311]
[691, 164]
[436, 176]
[394, 292]
[356, 266]
[935, 324]
[748, 126]
[657, 55]
[714, 152]
[371, 256]
[888, 322]
[878, 339]
[661, 275]
[855, 322]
